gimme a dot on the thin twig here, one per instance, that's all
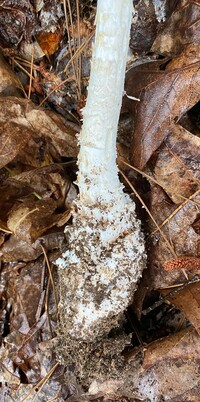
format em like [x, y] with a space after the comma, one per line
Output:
[182, 165]
[79, 50]
[50, 275]
[53, 90]
[175, 212]
[69, 40]
[30, 82]
[43, 382]
[149, 213]
[195, 279]
[79, 45]
[150, 178]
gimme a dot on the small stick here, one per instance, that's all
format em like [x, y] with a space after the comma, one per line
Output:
[148, 310]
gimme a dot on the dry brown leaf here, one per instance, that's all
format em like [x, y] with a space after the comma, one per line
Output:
[179, 231]
[9, 84]
[149, 18]
[162, 102]
[181, 345]
[182, 28]
[24, 292]
[188, 301]
[49, 125]
[138, 78]
[12, 140]
[16, 21]
[47, 181]
[30, 219]
[171, 368]
[177, 164]
[189, 55]
[15, 249]
[49, 41]
[11, 190]
[167, 369]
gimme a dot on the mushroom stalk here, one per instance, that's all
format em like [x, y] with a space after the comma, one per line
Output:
[99, 272]
[98, 175]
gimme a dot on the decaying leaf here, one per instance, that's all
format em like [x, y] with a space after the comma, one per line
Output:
[12, 140]
[167, 368]
[171, 368]
[161, 102]
[189, 55]
[49, 41]
[50, 15]
[9, 84]
[187, 299]
[177, 167]
[179, 345]
[27, 205]
[149, 17]
[29, 220]
[24, 292]
[16, 22]
[15, 249]
[181, 29]
[177, 225]
[47, 181]
[47, 124]
[10, 191]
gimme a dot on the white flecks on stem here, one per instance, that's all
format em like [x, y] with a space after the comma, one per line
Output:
[105, 258]
[98, 178]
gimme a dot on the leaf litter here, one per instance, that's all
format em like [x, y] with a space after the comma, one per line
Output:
[160, 158]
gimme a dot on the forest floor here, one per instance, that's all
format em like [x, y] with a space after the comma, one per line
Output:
[44, 71]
